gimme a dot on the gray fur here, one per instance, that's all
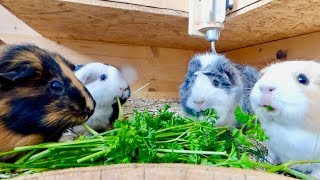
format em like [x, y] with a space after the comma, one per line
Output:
[233, 78]
[249, 76]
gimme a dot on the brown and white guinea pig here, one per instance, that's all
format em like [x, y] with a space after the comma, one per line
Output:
[213, 81]
[40, 97]
[105, 83]
[291, 90]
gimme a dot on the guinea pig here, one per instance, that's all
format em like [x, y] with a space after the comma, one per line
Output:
[213, 81]
[286, 100]
[40, 97]
[105, 83]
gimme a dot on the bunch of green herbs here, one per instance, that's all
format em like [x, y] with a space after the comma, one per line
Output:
[159, 137]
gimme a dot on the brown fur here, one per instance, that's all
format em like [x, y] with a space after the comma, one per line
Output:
[4, 107]
[32, 100]
[50, 119]
[10, 139]
[30, 56]
[75, 81]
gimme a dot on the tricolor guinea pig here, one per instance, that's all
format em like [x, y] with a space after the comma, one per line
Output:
[105, 83]
[40, 97]
[213, 81]
[286, 100]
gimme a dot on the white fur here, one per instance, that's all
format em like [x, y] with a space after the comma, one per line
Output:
[206, 59]
[289, 140]
[215, 98]
[130, 74]
[104, 92]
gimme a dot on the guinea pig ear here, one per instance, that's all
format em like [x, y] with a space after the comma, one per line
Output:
[18, 71]
[78, 66]
[130, 74]
[86, 77]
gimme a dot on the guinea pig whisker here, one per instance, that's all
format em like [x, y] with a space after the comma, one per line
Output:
[140, 89]
[316, 144]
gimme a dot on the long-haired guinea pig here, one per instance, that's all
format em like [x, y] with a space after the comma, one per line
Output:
[40, 97]
[286, 100]
[213, 81]
[105, 83]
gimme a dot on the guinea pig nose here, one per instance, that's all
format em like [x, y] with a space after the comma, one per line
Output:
[267, 89]
[88, 111]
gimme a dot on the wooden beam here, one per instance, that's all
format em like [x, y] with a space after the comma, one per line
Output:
[241, 7]
[149, 24]
[15, 31]
[177, 5]
[162, 68]
[10, 24]
[278, 19]
[199, 14]
[296, 48]
[106, 21]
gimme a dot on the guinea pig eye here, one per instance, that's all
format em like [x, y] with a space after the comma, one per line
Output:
[303, 79]
[215, 83]
[56, 86]
[103, 77]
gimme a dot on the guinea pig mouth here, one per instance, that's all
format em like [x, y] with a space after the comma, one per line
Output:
[268, 108]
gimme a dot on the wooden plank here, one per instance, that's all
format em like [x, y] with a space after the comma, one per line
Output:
[163, 68]
[15, 31]
[300, 47]
[10, 24]
[150, 171]
[245, 6]
[106, 21]
[97, 22]
[123, 23]
[275, 20]
[198, 8]
[178, 5]
[136, 5]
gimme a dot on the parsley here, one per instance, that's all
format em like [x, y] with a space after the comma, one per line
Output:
[159, 137]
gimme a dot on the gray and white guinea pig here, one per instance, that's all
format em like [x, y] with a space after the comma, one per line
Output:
[40, 97]
[213, 81]
[105, 83]
[291, 90]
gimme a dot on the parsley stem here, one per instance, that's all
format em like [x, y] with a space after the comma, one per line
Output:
[175, 127]
[192, 152]
[95, 155]
[175, 139]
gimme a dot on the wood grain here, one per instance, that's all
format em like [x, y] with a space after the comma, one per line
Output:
[119, 22]
[297, 48]
[163, 68]
[154, 172]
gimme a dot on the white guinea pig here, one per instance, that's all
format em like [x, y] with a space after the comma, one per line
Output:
[291, 90]
[105, 83]
[213, 81]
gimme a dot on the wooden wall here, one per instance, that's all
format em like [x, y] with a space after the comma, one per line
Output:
[163, 67]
